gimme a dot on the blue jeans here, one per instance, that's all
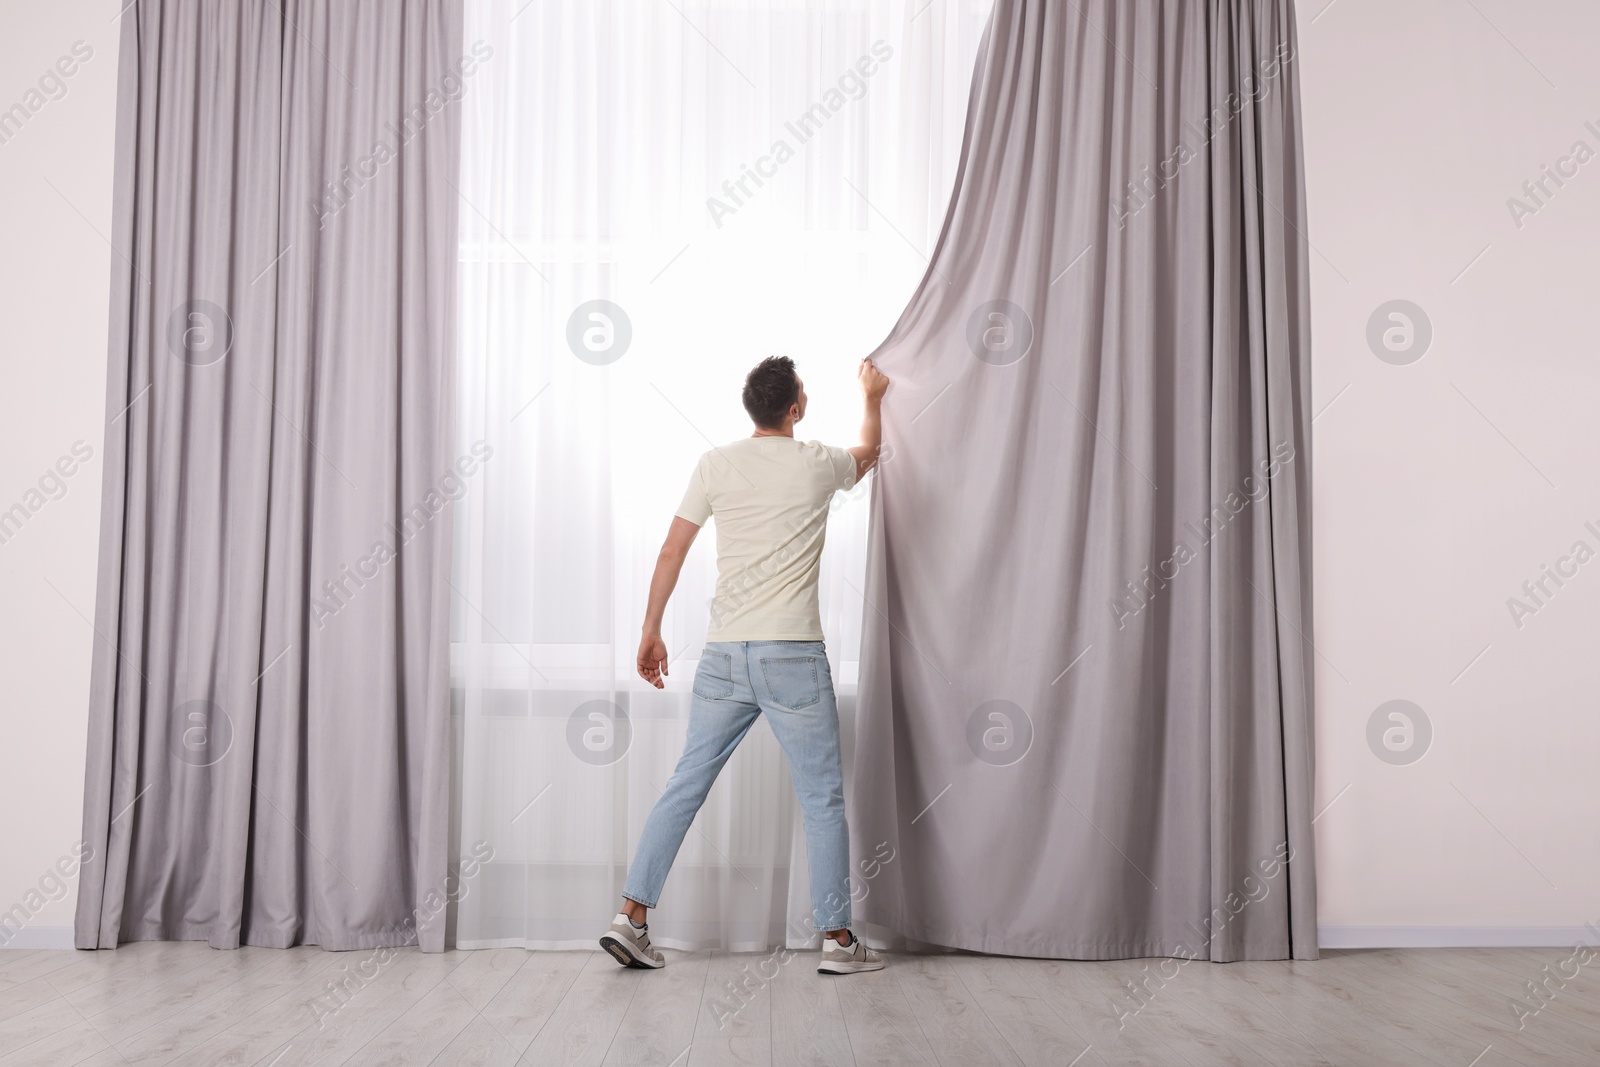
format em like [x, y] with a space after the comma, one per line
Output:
[738, 680]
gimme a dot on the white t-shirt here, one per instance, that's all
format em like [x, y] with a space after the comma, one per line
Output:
[770, 496]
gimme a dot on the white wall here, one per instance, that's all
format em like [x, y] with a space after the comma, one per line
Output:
[55, 275]
[1441, 485]
[55, 185]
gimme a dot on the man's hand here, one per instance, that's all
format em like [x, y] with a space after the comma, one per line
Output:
[653, 660]
[874, 383]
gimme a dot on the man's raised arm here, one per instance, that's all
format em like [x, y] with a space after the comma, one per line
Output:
[873, 385]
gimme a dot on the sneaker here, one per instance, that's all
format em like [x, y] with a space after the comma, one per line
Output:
[848, 959]
[630, 945]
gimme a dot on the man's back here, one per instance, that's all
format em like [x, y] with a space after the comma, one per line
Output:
[770, 496]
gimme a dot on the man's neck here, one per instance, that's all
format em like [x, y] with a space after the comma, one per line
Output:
[786, 431]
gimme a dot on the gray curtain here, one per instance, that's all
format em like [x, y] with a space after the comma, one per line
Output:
[268, 731]
[1085, 719]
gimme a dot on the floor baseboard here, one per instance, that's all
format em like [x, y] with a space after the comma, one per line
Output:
[1328, 936]
[37, 937]
[1340, 936]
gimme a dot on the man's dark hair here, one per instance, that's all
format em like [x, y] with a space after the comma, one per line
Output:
[769, 390]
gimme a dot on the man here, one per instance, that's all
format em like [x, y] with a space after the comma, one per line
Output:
[764, 651]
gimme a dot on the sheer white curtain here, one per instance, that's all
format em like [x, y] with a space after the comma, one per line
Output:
[733, 180]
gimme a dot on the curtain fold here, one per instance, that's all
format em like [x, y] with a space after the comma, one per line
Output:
[1100, 436]
[268, 731]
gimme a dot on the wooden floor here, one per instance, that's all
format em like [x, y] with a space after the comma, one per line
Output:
[185, 1003]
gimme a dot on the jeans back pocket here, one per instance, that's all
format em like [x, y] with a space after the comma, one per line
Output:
[792, 681]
